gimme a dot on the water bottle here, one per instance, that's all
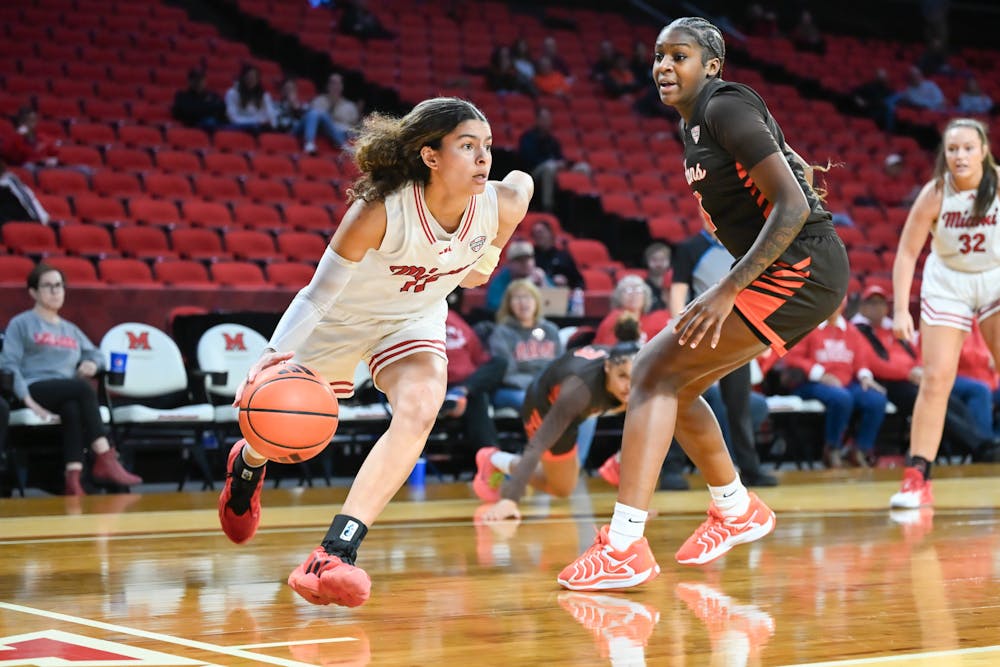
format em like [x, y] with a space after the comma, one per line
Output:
[576, 302]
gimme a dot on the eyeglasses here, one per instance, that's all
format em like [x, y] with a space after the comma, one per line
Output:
[52, 287]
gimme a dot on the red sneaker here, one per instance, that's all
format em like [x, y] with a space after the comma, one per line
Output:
[107, 468]
[718, 534]
[73, 485]
[602, 568]
[611, 469]
[915, 492]
[619, 625]
[488, 477]
[326, 579]
[239, 509]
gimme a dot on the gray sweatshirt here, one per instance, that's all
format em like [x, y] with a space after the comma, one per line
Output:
[34, 350]
[527, 350]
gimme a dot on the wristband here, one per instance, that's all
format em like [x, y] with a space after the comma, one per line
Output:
[488, 262]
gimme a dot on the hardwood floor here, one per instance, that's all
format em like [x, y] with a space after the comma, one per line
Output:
[841, 581]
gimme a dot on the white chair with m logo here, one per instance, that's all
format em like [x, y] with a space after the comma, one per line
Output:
[153, 402]
[231, 349]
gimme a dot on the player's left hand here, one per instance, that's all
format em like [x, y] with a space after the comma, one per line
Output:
[86, 369]
[502, 509]
[705, 314]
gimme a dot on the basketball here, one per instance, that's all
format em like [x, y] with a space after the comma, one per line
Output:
[288, 413]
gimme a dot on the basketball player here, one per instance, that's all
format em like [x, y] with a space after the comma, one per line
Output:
[790, 273]
[581, 383]
[961, 283]
[424, 219]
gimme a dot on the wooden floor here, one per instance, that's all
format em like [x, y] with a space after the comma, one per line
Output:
[150, 580]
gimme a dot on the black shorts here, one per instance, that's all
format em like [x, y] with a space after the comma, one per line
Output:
[797, 292]
[533, 413]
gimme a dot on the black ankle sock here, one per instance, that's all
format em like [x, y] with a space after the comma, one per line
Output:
[344, 537]
[245, 482]
[921, 464]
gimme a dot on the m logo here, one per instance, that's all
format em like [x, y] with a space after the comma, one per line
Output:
[138, 341]
[234, 343]
[696, 133]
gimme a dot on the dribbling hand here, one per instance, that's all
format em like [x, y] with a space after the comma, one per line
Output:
[266, 360]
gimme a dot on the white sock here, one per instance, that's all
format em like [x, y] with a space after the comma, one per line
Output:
[75, 465]
[100, 446]
[731, 499]
[627, 526]
[504, 461]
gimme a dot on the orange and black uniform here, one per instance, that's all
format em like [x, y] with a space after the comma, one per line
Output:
[730, 132]
[576, 380]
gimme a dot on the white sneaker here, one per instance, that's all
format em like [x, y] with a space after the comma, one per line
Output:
[310, 147]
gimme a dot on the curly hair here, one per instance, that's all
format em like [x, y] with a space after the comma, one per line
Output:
[387, 150]
[987, 190]
[706, 34]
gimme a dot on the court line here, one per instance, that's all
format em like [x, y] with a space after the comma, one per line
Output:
[900, 657]
[329, 640]
[156, 636]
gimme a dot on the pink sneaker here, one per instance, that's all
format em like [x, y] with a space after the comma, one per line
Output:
[718, 534]
[488, 477]
[915, 492]
[611, 469]
[602, 568]
[326, 579]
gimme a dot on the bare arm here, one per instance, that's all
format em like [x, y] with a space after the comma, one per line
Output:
[919, 222]
[361, 229]
[678, 297]
[513, 197]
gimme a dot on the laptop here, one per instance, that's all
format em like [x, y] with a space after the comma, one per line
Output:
[555, 301]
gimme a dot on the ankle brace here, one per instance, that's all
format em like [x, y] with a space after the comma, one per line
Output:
[344, 537]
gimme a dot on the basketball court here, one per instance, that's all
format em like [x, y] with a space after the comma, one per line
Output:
[150, 580]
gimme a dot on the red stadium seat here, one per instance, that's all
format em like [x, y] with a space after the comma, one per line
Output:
[167, 186]
[105, 110]
[79, 272]
[158, 212]
[318, 169]
[143, 243]
[187, 138]
[257, 216]
[92, 134]
[128, 159]
[301, 246]
[79, 155]
[116, 184]
[125, 272]
[87, 241]
[61, 108]
[238, 274]
[178, 162]
[140, 136]
[198, 244]
[587, 252]
[289, 274]
[150, 113]
[62, 181]
[596, 279]
[30, 238]
[58, 208]
[206, 214]
[182, 273]
[314, 192]
[247, 244]
[229, 164]
[220, 188]
[91, 208]
[265, 190]
[275, 142]
[273, 166]
[14, 270]
[233, 141]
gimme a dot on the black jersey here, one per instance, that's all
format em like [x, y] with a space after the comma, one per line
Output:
[586, 363]
[729, 132]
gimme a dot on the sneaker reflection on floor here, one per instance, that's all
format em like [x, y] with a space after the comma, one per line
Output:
[737, 631]
[621, 627]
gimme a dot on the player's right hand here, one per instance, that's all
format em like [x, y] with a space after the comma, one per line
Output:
[266, 360]
[902, 326]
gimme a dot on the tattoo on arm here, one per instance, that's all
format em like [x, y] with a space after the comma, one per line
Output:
[781, 228]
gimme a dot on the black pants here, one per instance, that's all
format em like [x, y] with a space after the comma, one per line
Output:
[75, 401]
[959, 429]
[4, 423]
[480, 431]
[735, 389]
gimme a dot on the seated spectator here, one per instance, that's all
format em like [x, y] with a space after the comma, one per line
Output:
[550, 50]
[550, 81]
[871, 96]
[935, 59]
[639, 62]
[658, 273]
[632, 296]
[359, 21]
[25, 146]
[542, 155]
[606, 56]
[525, 339]
[4, 424]
[832, 361]
[620, 80]
[301, 119]
[503, 77]
[896, 171]
[761, 22]
[520, 55]
[53, 363]
[895, 364]
[806, 35]
[248, 106]
[922, 92]
[973, 101]
[473, 376]
[558, 264]
[17, 201]
[977, 380]
[519, 264]
[196, 105]
[343, 114]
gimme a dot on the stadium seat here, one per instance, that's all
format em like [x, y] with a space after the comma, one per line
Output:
[86, 156]
[596, 279]
[58, 208]
[273, 166]
[92, 134]
[60, 108]
[265, 190]
[226, 164]
[187, 138]
[62, 181]
[276, 142]
[182, 273]
[257, 216]
[140, 136]
[178, 162]
[301, 246]
[289, 274]
[197, 243]
[14, 270]
[318, 169]
[95, 209]
[143, 243]
[232, 349]
[237, 274]
[30, 238]
[314, 192]
[87, 241]
[245, 244]
[206, 214]
[218, 188]
[116, 184]
[234, 141]
[159, 212]
[106, 111]
[125, 272]
[587, 252]
[167, 186]
[128, 159]
[79, 272]
[309, 218]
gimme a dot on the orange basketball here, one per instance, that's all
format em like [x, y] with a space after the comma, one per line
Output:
[288, 413]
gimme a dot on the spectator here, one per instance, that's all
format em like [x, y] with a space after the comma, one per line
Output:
[525, 339]
[53, 363]
[17, 201]
[897, 173]
[196, 105]
[761, 22]
[520, 55]
[302, 120]
[620, 80]
[248, 106]
[806, 35]
[25, 146]
[977, 380]
[343, 113]
[833, 365]
[550, 50]
[550, 81]
[473, 376]
[935, 59]
[4, 423]
[871, 96]
[640, 63]
[606, 56]
[558, 264]
[921, 92]
[542, 156]
[519, 264]
[973, 101]
[631, 296]
[503, 77]
[359, 21]
[658, 273]
[896, 365]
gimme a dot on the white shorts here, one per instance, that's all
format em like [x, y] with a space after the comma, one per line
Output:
[951, 298]
[335, 348]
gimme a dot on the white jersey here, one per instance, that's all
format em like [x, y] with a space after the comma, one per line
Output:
[961, 242]
[418, 263]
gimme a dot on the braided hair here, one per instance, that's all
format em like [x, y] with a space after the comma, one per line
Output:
[707, 35]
